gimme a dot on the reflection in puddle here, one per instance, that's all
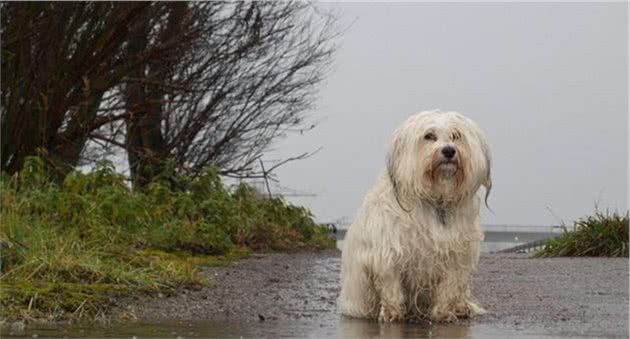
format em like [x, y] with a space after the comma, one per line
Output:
[356, 328]
[333, 327]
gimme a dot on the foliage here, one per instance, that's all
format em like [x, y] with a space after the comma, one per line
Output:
[68, 250]
[598, 235]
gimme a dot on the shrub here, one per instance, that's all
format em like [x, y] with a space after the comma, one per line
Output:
[599, 235]
[57, 241]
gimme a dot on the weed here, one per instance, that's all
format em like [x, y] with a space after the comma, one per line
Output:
[67, 251]
[598, 235]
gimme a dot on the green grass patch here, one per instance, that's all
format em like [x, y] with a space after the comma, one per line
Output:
[599, 235]
[68, 251]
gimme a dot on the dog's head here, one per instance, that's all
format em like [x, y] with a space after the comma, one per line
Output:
[439, 156]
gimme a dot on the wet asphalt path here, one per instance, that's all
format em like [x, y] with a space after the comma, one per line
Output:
[557, 296]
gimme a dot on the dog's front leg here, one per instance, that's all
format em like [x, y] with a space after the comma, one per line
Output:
[451, 298]
[445, 296]
[392, 298]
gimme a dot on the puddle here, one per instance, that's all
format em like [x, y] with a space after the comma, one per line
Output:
[341, 328]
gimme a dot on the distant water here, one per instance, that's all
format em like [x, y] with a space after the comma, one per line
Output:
[486, 246]
[497, 237]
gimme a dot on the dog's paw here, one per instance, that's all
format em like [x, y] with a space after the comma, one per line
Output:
[390, 314]
[461, 310]
[475, 309]
[468, 309]
[443, 316]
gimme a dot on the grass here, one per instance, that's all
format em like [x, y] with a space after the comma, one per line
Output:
[599, 235]
[69, 251]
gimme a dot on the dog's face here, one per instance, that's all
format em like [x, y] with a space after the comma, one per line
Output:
[440, 156]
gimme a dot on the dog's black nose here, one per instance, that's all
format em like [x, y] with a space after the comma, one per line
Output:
[448, 152]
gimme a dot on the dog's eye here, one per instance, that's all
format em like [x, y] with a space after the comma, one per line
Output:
[430, 136]
[456, 136]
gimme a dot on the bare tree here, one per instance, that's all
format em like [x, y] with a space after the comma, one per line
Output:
[197, 84]
[249, 78]
[148, 85]
[58, 62]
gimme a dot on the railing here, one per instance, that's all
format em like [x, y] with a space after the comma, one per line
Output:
[527, 247]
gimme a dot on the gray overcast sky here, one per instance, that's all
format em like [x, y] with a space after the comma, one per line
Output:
[546, 81]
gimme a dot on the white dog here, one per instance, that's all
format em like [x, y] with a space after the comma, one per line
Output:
[414, 244]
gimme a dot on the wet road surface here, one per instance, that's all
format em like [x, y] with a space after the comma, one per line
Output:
[556, 296]
[294, 295]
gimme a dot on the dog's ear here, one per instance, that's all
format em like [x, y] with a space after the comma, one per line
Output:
[487, 180]
[393, 161]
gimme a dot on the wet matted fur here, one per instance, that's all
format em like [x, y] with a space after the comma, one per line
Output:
[414, 244]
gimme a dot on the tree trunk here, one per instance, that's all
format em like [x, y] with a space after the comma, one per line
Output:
[146, 145]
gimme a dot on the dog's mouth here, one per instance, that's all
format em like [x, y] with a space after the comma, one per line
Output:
[447, 164]
[446, 168]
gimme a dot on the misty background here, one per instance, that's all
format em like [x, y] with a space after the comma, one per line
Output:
[547, 82]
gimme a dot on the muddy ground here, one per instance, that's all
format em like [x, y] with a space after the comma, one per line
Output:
[565, 296]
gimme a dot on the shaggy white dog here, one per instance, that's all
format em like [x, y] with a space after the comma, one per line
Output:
[414, 244]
